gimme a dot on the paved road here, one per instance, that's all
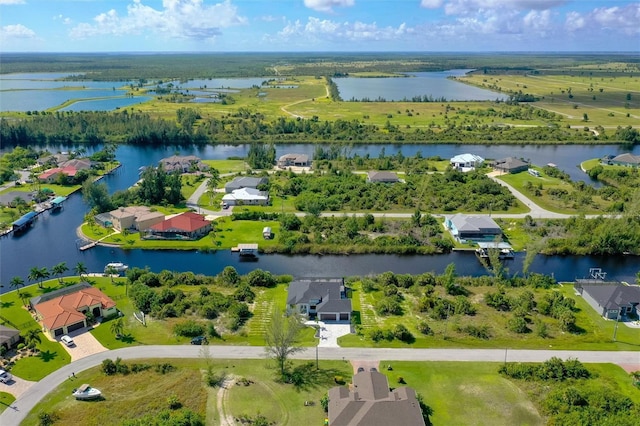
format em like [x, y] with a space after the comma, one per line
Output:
[26, 402]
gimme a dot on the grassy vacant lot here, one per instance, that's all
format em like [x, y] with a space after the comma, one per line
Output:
[57, 189]
[603, 99]
[594, 333]
[458, 393]
[544, 183]
[227, 166]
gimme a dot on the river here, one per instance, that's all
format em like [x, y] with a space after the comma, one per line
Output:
[53, 238]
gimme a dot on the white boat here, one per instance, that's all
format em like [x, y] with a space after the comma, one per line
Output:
[86, 392]
[118, 266]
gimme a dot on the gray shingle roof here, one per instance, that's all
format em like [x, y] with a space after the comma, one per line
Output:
[325, 289]
[613, 296]
[245, 182]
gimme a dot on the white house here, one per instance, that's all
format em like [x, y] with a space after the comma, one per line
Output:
[466, 162]
[246, 196]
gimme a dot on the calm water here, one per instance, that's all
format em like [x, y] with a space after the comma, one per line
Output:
[434, 84]
[220, 83]
[53, 240]
[38, 100]
[105, 104]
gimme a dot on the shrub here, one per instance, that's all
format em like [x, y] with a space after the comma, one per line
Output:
[424, 328]
[403, 334]
[401, 380]
[324, 402]
[109, 367]
[47, 419]
[164, 368]
[389, 306]
[173, 402]
[479, 331]
[518, 325]
[339, 380]
[188, 328]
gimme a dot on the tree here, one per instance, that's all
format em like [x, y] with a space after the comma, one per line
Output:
[80, 269]
[111, 271]
[585, 117]
[212, 183]
[16, 282]
[229, 276]
[32, 337]
[117, 327]
[97, 196]
[38, 274]
[59, 269]
[281, 337]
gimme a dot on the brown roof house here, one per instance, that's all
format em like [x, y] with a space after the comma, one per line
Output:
[8, 336]
[382, 177]
[298, 160]
[63, 311]
[185, 226]
[183, 164]
[371, 403]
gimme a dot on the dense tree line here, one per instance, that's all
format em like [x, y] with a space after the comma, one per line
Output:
[130, 127]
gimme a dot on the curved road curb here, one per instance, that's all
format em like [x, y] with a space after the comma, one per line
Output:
[25, 403]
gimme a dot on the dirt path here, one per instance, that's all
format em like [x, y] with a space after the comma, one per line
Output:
[225, 419]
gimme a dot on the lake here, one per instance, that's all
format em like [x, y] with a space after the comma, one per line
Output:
[430, 84]
[53, 239]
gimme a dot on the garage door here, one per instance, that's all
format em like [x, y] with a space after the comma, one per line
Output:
[344, 317]
[327, 317]
[58, 332]
[75, 326]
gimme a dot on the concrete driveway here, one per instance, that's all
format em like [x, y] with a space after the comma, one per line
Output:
[85, 345]
[329, 334]
[16, 386]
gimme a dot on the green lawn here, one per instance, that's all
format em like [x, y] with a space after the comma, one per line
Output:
[227, 166]
[465, 393]
[6, 399]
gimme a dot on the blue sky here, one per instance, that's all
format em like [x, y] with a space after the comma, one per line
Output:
[318, 25]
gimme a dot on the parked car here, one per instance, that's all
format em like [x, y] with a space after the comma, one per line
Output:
[67, 340]
[200, 340]
[225, 206]
[5, 376]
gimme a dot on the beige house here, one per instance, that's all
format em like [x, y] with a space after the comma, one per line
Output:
[138, 218]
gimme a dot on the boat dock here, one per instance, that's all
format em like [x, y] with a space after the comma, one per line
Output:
[505, 251]
[246, 249]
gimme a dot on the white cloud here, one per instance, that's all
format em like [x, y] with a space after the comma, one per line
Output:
[65, 20]
[538, 21]
[431, 4]
[466, 7]
[343, 32]
[622, 20]
[3, 2]
[177, 19]
[327, 5]
[17, 31]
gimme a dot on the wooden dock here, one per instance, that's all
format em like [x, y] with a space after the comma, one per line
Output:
[88, 246]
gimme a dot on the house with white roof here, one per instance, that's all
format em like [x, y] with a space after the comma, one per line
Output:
[466, 162]
[246, 196]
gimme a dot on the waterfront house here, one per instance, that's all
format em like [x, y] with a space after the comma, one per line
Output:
[245, 182]
[466, 162]
[610, 299]
[321, 298]
[185, 226]
[296, 160]
[138, 218]
[63, 311]
[626, 159]
[369, 401]
[510, 165]
[77, 164]
[246, 196]
[475, 228]
[183, 164]
[9, 337]
[382, 177]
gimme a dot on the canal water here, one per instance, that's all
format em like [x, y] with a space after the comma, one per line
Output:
[53, 237]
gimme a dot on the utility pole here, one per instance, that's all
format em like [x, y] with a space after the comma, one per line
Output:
[615, 327]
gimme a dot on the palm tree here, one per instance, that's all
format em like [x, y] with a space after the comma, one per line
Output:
[111, 271]
[38, 274]
[59, 269]
[117, 327]
[32, 337]
[24, 296]
[212, 183]
[80, 269]
[17, 282]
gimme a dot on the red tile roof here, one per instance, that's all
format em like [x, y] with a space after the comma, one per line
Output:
[186, 222]
[63, 310]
